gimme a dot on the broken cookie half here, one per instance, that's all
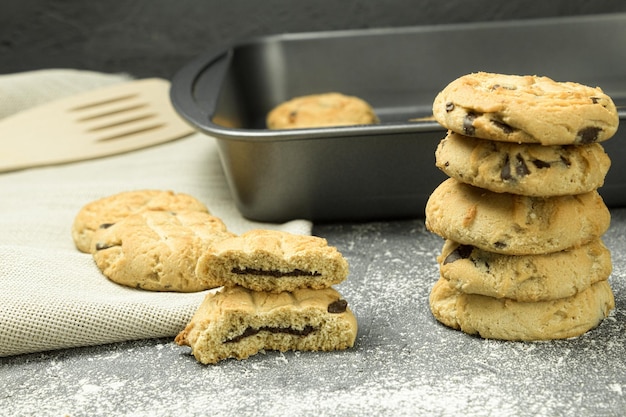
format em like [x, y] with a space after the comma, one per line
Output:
[273, 261]
[236, 322]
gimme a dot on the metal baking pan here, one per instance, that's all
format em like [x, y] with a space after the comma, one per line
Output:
[380, 171]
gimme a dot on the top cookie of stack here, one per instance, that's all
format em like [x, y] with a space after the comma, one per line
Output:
[526, 109]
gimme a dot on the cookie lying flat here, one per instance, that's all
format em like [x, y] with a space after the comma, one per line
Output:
[237, 323]
[501, 318]
[512, 224]
[267, 260]
[113, 208]
[526, 169]
[158, 250]
[527, 277]
[321, 110]
[526, 109]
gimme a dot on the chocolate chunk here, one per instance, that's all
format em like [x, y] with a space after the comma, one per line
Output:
[599, 100]
[251, 331]
[521, 169]
[337, 307]
[503, 126]
[499, 245]
[449, 106]
[468, 124]
[538, 163]
[461, 252]
[588, 134]
[506, 87]
[277, 274]
[506, 174]
[106, 225]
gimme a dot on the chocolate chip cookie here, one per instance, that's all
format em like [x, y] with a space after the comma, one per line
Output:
[275, 261]
[526, 169]
[321, 110]
[506, 319]
[512, 224]
[526, 278]
[158, 250]
[526, 109]
[111, 209]
[237, 323]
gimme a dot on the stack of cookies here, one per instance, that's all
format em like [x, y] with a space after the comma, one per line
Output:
[522, 218]
[277, 287]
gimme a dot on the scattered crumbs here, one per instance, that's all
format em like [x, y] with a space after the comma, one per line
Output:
[616, 388]
[88, 389]
[281, 358]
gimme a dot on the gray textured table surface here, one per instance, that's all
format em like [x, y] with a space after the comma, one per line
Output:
[403, 363]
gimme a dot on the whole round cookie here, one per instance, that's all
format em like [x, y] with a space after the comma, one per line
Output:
[513, 224]
[526, 169]
[526, 109]
[321, 110]
[158, 250]
[113, 208]
[505, 319]
[525, 278]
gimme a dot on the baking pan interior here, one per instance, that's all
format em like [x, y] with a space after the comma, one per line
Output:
[227, 94]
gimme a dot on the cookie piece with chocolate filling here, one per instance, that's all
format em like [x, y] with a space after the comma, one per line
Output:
[236, 323]
[526, 109]
[525, 169]
[158, 250]
[111, 209]
[275, 261]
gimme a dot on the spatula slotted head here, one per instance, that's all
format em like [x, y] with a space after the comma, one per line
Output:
[107, 121]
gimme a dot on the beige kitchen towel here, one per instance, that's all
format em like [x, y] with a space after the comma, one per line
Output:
[51, 295]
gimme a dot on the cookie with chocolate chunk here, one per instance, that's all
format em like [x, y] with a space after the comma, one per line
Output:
[158, 250]
[526, 278]
[111, 209]
[526, 169]
[321, 110]
[512, 224]
[526, 109]
[506, 319]
[270, 260]
[237, 323]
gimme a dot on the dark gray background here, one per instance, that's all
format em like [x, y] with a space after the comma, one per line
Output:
[156, 37]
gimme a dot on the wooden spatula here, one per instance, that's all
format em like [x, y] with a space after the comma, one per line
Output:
[101, 122]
